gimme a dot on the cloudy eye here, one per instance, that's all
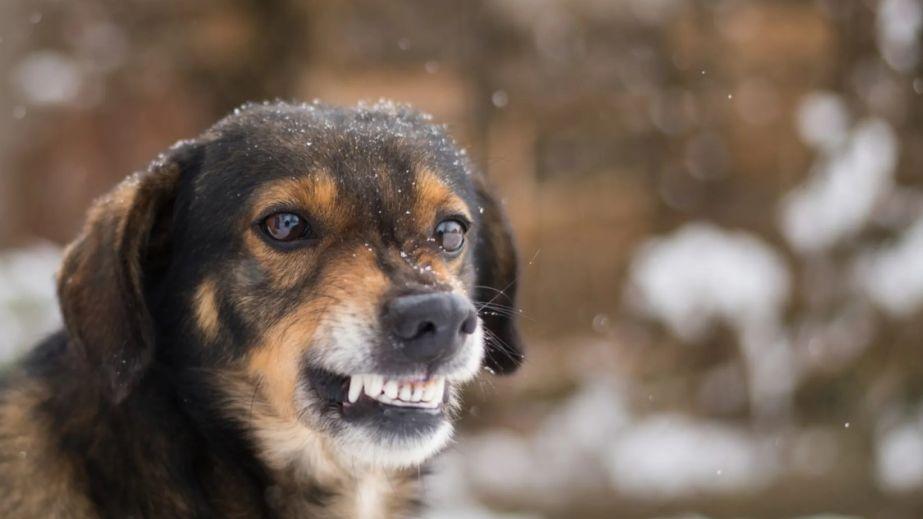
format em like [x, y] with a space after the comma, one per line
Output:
[450, 235]
[285, 227]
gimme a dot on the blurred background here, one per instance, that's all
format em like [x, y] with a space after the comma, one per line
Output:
[719, 207]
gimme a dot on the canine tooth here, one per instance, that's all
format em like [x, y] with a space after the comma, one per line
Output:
[439, 393]
[391, 389]
[417, 393]
[406, 392]
[373, 385]
[355, 388]
[429, 391]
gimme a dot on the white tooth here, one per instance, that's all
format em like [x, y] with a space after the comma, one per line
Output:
[373, 385]
[439, 393]
[391, 389]
[417, 393]
[406, 391]
[429, 391]
[355, 388]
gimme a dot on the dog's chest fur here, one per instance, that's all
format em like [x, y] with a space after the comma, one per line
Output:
[61, 454]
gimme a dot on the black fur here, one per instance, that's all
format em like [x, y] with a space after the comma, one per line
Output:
[132, 400]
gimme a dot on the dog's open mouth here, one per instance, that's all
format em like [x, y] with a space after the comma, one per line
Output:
[360, 393]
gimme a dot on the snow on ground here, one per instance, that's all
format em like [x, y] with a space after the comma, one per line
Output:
[562, 453]
[46, 77]
[899, 455]
[593, 442]
[672, 455]
[822, 120]
[28, 305]
[899, 24]
[893, 276]
[449, 494]
[846, 183]
[701, 275]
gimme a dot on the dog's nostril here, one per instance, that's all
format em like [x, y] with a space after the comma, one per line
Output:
[409, 329]
[469, 325]
[426, 327]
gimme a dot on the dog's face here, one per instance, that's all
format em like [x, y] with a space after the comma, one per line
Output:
[344, 267]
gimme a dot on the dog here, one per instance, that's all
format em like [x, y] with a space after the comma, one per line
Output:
[274, 319]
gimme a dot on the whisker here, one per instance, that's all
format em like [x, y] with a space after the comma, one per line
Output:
[502, 310]
[501, 346]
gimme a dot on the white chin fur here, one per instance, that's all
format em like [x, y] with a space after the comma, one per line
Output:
[368, 449]
[364, 449]
[361, 447]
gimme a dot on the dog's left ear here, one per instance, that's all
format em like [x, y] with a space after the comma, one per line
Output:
[101, 283]
[497, 274]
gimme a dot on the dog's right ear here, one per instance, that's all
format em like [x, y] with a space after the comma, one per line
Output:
[101, 283]
[497, 279]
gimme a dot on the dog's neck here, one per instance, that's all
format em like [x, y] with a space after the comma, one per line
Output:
[124, 460]
[297, 457]
[301, 457]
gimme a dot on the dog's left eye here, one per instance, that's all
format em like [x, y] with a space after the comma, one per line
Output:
[450, 235]
[285, 227]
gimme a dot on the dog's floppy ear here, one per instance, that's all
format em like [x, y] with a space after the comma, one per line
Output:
[102, 276]
[495, 291]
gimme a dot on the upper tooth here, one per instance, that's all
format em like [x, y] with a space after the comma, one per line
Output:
[429, 390]
[391, 389]
[355, 387]
[439, 392]
[373, 385]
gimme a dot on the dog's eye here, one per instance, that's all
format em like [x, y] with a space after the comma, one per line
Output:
[450, 235]
[285, 227]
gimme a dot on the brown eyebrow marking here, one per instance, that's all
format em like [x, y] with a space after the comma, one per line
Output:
[315, 193]
[317, 196]
[434, 196]
[206, 309]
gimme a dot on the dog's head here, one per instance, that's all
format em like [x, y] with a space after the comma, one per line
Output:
[341, 270]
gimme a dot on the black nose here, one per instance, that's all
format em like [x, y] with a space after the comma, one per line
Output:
[430, 326]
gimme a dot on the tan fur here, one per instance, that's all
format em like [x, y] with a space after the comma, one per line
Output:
[316, 196]
[297, 454]
[275, 364]
[206, 310]
[432, 197]
[356, 281]
[316, 193]
[267, 394]
[34, 480]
